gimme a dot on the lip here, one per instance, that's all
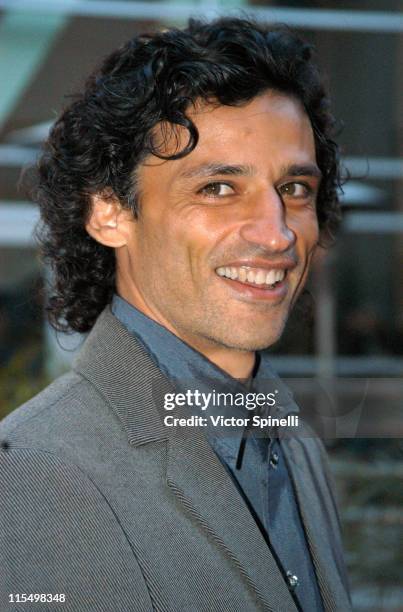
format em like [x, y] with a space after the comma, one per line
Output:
[253, 292]
[256, 293]
[280, 264]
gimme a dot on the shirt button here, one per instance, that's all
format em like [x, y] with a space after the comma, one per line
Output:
[292, 581]
[274, 459]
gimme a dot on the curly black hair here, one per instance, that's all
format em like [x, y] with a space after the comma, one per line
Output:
[103, 135]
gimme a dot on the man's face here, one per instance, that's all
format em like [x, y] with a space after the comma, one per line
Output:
[225, 235]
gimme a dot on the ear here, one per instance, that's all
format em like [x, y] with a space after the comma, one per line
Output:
[108, 221]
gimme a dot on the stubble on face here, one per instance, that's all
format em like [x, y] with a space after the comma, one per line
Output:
[228, 204]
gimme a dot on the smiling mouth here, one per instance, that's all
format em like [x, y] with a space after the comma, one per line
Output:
[254, 277]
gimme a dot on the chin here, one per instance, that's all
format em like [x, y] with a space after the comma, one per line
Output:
[257, 341]
[258, 344]
[260, 338]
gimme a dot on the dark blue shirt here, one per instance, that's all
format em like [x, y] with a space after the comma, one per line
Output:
[256, 464]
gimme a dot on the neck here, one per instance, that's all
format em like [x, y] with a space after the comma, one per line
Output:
[237, 363]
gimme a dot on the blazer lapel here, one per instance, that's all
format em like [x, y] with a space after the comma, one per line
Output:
[319, 516]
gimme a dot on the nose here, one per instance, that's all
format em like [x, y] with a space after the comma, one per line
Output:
[266, 223]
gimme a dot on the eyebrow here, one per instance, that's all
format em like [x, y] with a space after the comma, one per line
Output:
[214, 169]
[302, 170]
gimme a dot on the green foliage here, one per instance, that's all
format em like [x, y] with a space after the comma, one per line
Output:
[20, 380]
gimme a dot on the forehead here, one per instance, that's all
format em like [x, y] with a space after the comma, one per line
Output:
[272, 129]
[268, 122]
[267, 108]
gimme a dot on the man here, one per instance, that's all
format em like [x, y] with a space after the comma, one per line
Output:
[183, 194]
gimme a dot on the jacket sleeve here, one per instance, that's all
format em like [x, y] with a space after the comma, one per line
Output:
[59, 535]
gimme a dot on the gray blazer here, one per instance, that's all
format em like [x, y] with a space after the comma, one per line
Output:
[102, 502]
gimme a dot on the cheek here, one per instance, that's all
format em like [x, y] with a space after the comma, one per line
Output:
[306, 228]
[199, 234]
[175, 246]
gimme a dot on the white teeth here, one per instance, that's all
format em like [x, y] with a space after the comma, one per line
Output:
[242, 274]
[257, 276]
[260, 277]
[271, 277]
[279, 275]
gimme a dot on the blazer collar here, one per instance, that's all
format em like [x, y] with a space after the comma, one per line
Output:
[116, 364]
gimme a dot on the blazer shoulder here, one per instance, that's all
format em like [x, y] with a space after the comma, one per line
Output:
[55, 392]
[68, 415]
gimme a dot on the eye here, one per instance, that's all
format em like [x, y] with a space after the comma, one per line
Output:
[296, 190]
[216, 190]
